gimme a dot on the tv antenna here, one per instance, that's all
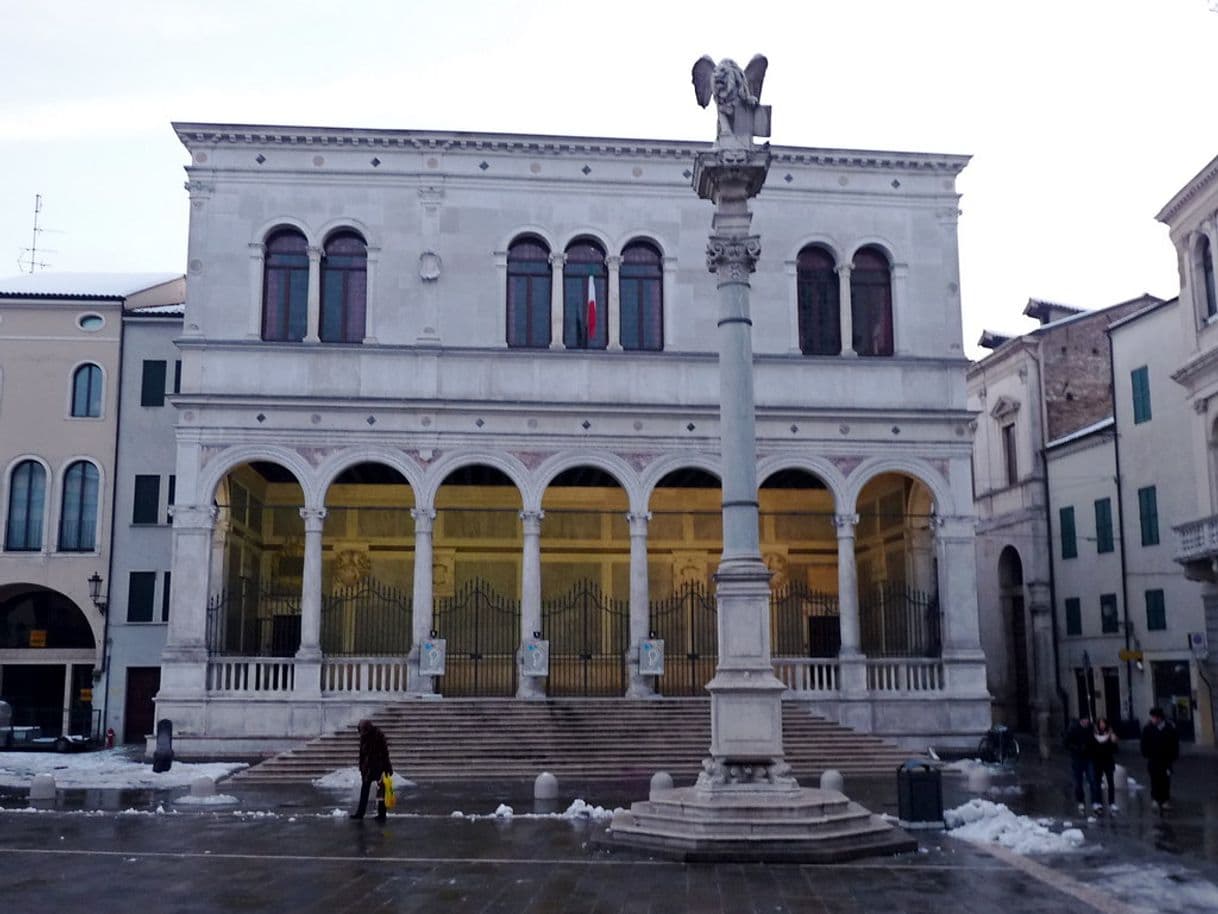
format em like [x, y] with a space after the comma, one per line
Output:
[27, 260]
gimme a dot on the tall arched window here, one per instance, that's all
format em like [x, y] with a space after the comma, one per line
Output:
[641, 288]
[818, 302]
[26, 501]
[87, 392]
[871, 302]
[528, 294]
[344, 288]
[78, 519]
[1205, 272]
[584, 324]
[285, 287]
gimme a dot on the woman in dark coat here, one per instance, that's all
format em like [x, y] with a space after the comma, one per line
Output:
[1104, 752]
[373, 763]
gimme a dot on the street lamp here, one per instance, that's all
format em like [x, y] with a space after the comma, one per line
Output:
[95, 592]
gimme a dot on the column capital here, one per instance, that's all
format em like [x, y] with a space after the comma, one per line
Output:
[257, 250]
[613, 261]
[843, 269]
[952, 527]
[845, 524]
[532, 521]
[313, 519]
[638, 522]
[194, 517]
[423, 519]
[731, 256]
[558, 260]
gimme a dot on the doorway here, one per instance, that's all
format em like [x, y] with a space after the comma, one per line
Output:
[139, 710]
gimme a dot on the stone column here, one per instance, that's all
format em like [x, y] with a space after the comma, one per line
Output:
[557, 262]
[257, 277]
[1043, 673]
[846, 315]
[613, 310]
[184, 659]
[422, 619]
[310, 594]
[530, 599]
[847, 585]
[640, 605]
[312, 334]
[669, 300]
[900, 332]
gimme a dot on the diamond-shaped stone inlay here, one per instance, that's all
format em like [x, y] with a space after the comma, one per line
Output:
[794, 428]
[687, 173]
[788, 177]
[896, 429]
[587, 169]
[484, 164]
[895, 183]
[260, 417]
[371, 420]
[260, 158]
[690, 427]
[585, 425]
[375, 162]
[479, 422]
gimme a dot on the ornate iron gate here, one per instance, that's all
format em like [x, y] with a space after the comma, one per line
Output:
[804, 622]
[482, 628]
[249, 622]
[366, 619]
[687, 623]
[898, 621]
[589, 635]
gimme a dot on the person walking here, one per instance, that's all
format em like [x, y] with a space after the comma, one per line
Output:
[1160, 748]
[1080, 743]
[1104, 753]
[373, 764]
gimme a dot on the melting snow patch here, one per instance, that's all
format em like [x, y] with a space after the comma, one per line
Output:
[581, 810]
[105, 768]
[1167, 888]
[216, 799]
[576, 812]
[984, 822]
[502, 811]
[349, 779]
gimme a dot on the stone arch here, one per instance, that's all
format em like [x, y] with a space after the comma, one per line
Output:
[819, 239]
[886, 247]
[913, 467]
[508, 464]
[611, 463]
[280, 222]
[345, 223]
[657, 470]
[231, 458]
[595, 234]
[334, 466]
[819, 467]
[665, 248]
[526, 230]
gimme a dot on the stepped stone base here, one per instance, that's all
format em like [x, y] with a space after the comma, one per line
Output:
[756, 825]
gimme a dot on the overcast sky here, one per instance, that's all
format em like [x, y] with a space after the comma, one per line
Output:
[1083, 116]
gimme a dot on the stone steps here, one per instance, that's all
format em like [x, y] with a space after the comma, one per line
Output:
[485, 739]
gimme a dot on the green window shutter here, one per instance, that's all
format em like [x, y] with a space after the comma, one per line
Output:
[140, 589]
[1109, 623]
[1140, 383]
[1069, 541]
[1156, 611]
[1103, 525]
[147, 496]
[152, 384]
[1074, 616]
[1148, 514]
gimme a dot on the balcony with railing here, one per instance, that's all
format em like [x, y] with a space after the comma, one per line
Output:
[1197, 545]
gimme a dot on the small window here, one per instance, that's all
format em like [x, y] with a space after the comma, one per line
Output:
[78, 516]
[26, 504]
[1103, 525]
[871, 302]
[285, 287]
[1140, 382]
[1074, 616]
[818, 302]
[90, 322]
[146, 500]
[1156, 611]
[344, 288]
[585, 287]
[641, 287]
[1148, 514]
[165, 592]
[87, 392]
[1205, 273]
[528, 294]
[141, 595]
[1069, 540]
[1010, 455]
[152, 384]
[1109, 623]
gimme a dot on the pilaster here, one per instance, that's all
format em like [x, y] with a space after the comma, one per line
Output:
[257, 274]
[312, 334]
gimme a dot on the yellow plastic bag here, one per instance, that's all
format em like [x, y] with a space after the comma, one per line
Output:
[387, 782]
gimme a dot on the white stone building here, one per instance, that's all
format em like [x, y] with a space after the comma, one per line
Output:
[466, 383]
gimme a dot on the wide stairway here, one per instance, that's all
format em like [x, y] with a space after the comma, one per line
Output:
[487, 739]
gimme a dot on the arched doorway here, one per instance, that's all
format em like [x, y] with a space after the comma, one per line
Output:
[1010, 589]
[49, 651]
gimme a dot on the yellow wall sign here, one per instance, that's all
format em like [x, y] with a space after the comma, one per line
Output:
[38, 637]
[1129, 655]
[86, 695]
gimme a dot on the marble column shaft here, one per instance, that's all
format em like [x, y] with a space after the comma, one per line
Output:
[310, 593]
[847, 586]
[423, 608]
[313, 306]
[530, 596]
[640, 604]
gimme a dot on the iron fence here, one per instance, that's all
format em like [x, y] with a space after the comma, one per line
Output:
[482, 628]
[366, 619]
[898, 621]
[589, 634]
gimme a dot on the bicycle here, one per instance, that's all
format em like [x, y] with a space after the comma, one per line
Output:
[999, 746]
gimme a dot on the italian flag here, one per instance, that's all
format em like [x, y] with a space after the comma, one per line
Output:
[591, 316]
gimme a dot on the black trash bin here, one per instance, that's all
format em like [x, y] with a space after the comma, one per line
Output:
[920, 795]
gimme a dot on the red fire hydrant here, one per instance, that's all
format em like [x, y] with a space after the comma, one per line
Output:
[109, 737]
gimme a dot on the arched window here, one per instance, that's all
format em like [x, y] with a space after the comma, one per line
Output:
[871, 302]
[26, 499]
[818, 302]
[641, 287]
[78, 519]
[87, 392]
[344, 288]
[1205, 272]
[285, 287]
[584, 324]
[528, 294]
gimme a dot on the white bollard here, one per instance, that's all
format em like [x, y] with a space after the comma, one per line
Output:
[978, 779]
[831, 779]
[545, 787]
[661, 780]
[1120, 778]
[42, 787]
[203, 786]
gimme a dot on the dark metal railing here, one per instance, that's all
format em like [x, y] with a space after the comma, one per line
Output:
[366, 619]
[589, 635]
[482, 628]
[898, 621]
[250, 622]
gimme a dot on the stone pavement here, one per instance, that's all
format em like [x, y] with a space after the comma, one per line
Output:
[283, 850]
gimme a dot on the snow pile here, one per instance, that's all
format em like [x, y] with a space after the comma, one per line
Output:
[132, 811]
[578, 811]
[581, 810]
[216, 799]
[1164, 887]
[349, 779]
[106, 768]
[502, 811]
[984, 822]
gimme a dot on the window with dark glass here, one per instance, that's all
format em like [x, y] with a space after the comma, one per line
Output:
[641, 288]
[177, 376]
[87, 392]
[1009, 454]
[147, 499]
[584, 324]
[818, 302]
[152, 383]
[1074, 616]
[344, 288]
[1156, 611]
[1148, 515]
[1109, 622]
[141, 593]
[1103, 525]
[1205, 263]
[528, 294]
[78, 517]
[871, 302]
[1139, 380]
[26, 503]
[170, 492]
[1069, 539]
[165, 592]
[285, 287]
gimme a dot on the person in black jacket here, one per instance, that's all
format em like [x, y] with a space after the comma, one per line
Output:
[1080, 743]
[373, 763]
[1160, 748]
[1104, 753]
